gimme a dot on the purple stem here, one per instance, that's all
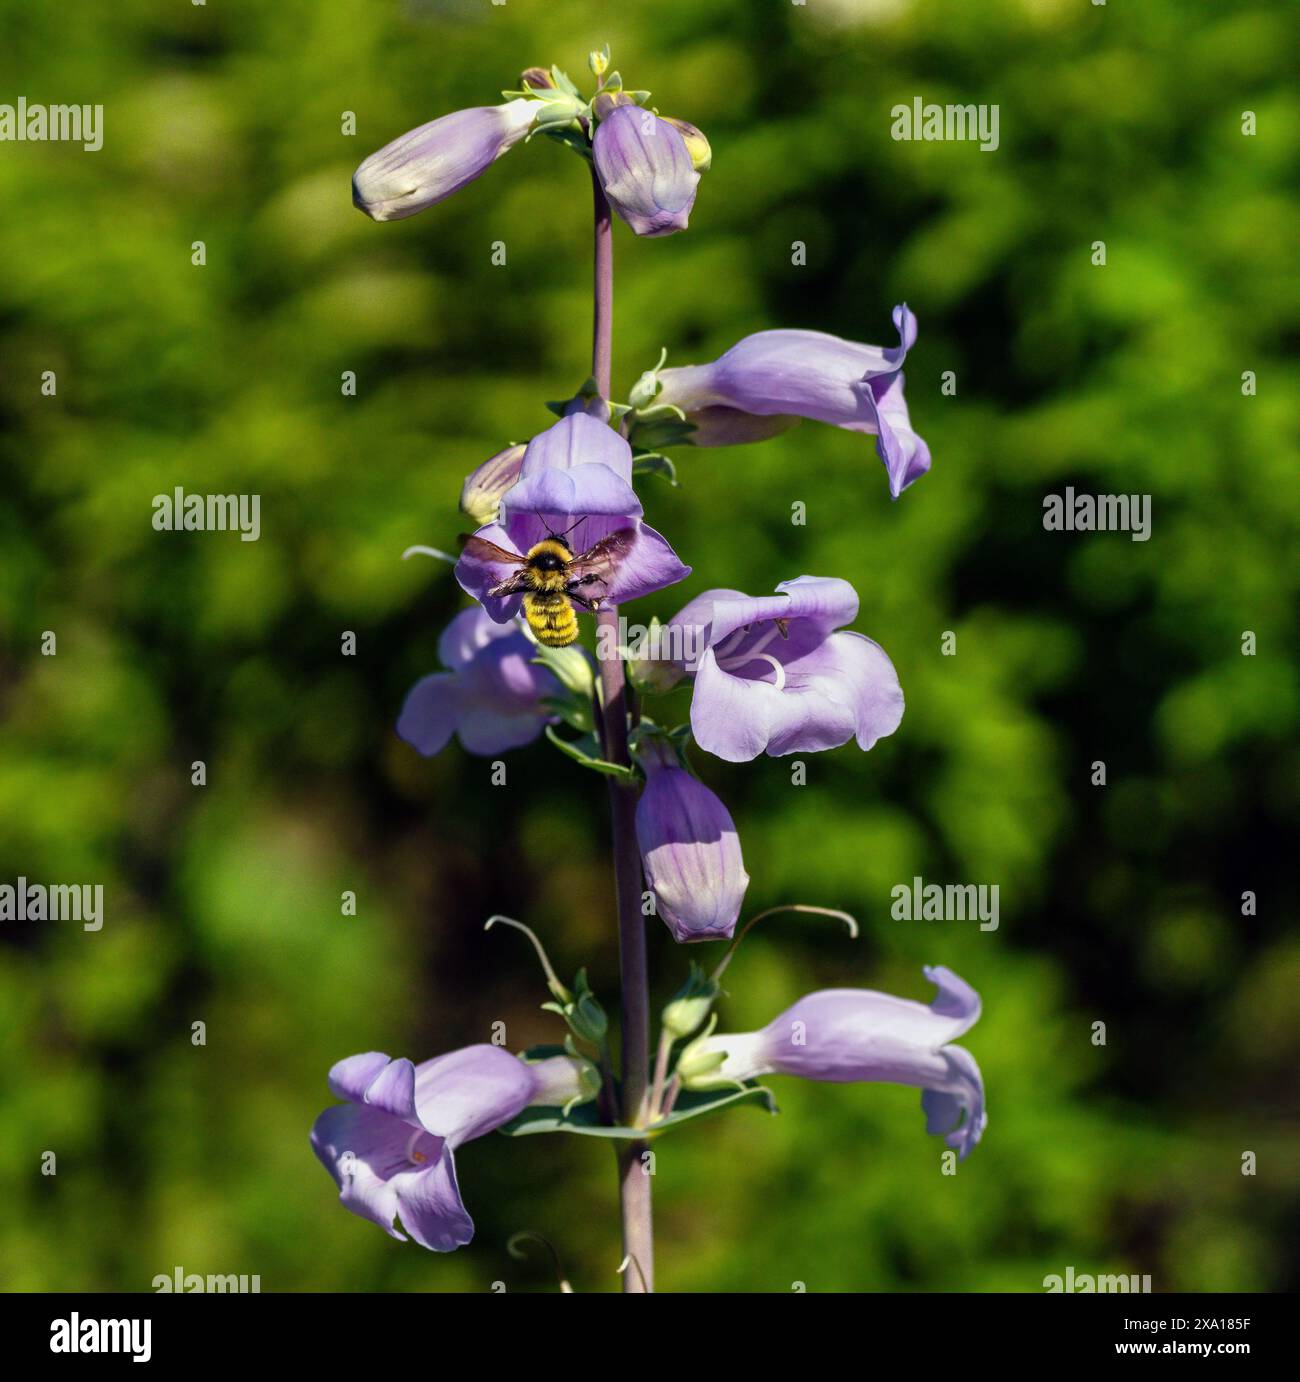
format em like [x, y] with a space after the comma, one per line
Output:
[633, 1171]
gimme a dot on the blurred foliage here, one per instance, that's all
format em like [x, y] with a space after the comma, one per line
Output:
[1119, 904]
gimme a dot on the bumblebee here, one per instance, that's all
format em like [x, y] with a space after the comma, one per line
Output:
[553, 580]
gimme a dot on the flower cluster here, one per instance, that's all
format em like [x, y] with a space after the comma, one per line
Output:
[560, 533]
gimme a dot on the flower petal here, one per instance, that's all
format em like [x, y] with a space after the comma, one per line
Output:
[432, 1210]
[470, 1092]
[959, 1092]
[369, 1153]
[429, 713]
[852, 671]
[576, 440]
[477, 575]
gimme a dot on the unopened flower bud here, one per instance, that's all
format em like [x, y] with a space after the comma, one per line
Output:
[599, 62]
[480, 495]
[690, 1005]
[536, 79]
[649, 663]
[696, 144]
[426, 165]
[645, 169]
[689, 849]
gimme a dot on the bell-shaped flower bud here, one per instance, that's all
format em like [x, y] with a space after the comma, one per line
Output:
[691, 1004]
[689, 849]
[480, 495]
[696, 145]
[426, 165]
[646, 170]
[537, 79]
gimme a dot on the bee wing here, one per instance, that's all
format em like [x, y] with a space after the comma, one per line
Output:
[599, 562]
[482, 550]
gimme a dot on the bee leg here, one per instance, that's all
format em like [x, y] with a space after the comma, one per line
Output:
[582, 602]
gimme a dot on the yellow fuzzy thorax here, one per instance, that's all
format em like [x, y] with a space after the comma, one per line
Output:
[548, 580]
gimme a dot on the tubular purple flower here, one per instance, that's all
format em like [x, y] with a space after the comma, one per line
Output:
[646, 169]
[491, 697]
[426, 165]
[779, 674]
[785, 375]
[576, 477]
[689, 850]
[847, 1035]
[391, 1147]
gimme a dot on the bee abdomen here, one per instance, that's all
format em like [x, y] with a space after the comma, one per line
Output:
[552, 619]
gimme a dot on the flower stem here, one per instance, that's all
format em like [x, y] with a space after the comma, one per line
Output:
[633, 1171]
[602, 328]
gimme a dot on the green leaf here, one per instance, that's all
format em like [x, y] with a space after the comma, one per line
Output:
[575, 713]
[575, 750]
[585, 1120]
[652, 463]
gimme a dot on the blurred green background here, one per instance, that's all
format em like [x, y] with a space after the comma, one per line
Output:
[1119, 904]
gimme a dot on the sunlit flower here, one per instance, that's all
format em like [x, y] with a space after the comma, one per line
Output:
[767, 381]
[391, 1148]
[849, 1035]
[491, 695]
[780, 674]
[646, 169]
[575, 480]
[426, 165]
[689, 850]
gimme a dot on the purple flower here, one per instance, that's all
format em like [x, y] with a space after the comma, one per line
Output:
[689, 850]
[492, 696]
[576, 478]
[391, 1147]
[845, 1035]
[426, 165]
[773, 675]
[646, 170]
[785, 375]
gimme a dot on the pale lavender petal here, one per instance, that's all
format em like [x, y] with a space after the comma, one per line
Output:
[477, 575]
[371, 1155]
[716, 425]
[854, 672]
[431, 1208]
[430, 712]
[906, 456]
[351, 1077]
[487, 732]
[649, 566]
[470, 1092]
[471, 631]
[954, 1103]
[560, 495]
[576, 440]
